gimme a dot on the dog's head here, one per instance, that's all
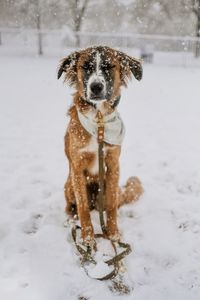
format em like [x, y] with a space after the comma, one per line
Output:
[98, 72]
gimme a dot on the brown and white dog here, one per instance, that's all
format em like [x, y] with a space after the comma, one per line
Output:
[97, 74]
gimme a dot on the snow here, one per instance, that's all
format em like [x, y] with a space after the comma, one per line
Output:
[161, 115]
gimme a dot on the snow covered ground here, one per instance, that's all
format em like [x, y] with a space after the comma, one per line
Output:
[162, 147]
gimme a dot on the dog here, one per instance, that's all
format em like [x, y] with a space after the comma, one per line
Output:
[97, 74]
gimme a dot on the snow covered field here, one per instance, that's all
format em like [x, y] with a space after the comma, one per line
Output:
[161, 147]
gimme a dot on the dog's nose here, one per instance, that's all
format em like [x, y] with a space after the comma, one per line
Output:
[96, 88]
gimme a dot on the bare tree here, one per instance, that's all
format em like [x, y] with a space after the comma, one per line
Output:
[196, 11]
[79, 8]
[38, 26]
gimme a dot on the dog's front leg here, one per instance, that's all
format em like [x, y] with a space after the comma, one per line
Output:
[112, 191]
[79, 185]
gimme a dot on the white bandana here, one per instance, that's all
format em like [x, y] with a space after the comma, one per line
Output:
[114, 127]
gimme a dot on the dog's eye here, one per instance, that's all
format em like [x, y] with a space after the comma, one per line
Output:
[85, 67]
[108, 67]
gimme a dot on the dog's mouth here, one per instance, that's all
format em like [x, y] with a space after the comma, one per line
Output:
[97, 98]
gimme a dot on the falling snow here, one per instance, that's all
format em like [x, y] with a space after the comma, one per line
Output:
[161, 146]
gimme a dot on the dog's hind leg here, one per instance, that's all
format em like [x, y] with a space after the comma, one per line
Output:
[130, 192]
[71, 208]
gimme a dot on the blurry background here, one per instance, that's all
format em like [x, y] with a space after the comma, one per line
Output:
[150, 28]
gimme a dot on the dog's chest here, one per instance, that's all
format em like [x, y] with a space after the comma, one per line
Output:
[92, 147]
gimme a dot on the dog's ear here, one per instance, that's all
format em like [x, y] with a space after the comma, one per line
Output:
[136, 68]
[68, 65]
[129, 65]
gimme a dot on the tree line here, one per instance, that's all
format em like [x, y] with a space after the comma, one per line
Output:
[181, 17]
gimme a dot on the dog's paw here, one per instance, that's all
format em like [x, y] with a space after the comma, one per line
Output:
[88, 237]
[90, 243]
[114, 236]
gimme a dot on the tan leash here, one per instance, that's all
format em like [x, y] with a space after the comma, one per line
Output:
[86, 254]
[101, 195]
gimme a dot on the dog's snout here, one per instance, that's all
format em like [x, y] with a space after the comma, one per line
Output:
[96, 88]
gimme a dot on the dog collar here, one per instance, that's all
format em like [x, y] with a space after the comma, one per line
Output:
[113, 124]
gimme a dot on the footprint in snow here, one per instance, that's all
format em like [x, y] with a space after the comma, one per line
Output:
[31, 226]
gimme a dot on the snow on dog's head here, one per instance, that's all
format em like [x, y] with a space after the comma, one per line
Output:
[98, 72]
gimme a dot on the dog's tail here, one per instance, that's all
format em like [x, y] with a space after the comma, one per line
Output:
[131, 191]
